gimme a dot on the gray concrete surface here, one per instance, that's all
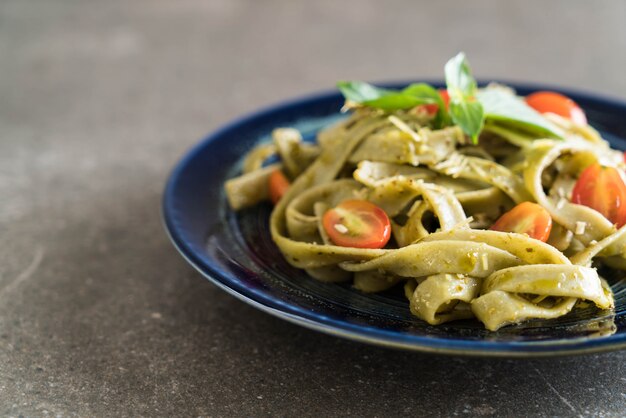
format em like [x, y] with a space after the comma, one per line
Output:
[99, 316]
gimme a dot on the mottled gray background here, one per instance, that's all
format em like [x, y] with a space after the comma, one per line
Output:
[99, 316]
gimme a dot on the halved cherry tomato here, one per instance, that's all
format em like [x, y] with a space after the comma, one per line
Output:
[357, 223]
[602, 189]
[278, 185]
[552, 102]
[526, 218]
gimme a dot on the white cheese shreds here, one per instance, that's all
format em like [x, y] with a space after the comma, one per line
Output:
[463, 224]
[580, 228]
[485, 260]
[342, 229]
[405, 128]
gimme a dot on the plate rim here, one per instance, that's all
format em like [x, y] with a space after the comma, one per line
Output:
[362, 333]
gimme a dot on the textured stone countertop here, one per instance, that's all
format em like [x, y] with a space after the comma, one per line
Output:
[99, 315]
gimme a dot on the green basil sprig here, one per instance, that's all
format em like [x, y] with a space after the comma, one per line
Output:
[389, 100]
[469, 107]
[464, 108]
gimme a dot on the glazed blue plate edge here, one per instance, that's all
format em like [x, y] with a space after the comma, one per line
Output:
[366, 334]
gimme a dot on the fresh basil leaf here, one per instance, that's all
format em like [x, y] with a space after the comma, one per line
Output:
[359, 92]
[422, 90]
[459, 79]
[385, 99]
[464, 109]
[395, 101]
[469, 116]
[508, 110]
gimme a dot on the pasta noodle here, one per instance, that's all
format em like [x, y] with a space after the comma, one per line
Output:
[442, 193]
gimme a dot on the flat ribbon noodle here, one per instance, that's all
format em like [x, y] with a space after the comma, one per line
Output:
[444, 297]
[501, 302]
[527, 249]
[428, 258]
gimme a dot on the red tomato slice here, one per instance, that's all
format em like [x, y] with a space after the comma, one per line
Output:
[357, 223]
[602, 189]
[526, 218]
[278, 185]
[551, 102]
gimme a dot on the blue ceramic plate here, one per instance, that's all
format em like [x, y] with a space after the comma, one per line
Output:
[235, 250]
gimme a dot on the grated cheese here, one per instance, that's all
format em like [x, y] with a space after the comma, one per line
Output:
[463, 224]
[485, 261]
[342, 229]
[405, 128]
[580, 228]
[478, 170]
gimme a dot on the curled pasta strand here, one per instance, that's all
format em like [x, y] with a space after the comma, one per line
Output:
[444, 297]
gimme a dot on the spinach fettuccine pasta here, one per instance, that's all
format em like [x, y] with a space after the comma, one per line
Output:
[480, 203]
